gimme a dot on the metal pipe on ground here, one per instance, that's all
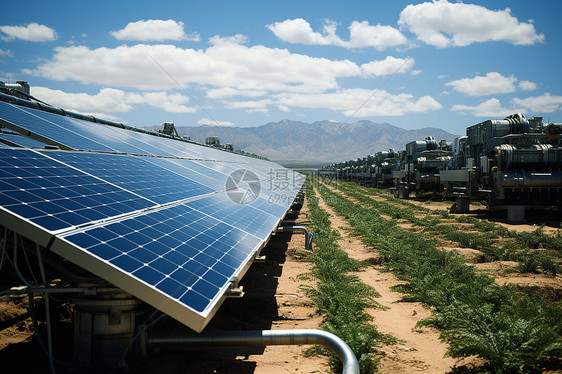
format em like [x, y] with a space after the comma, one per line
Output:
[264, 338]
[308, 236]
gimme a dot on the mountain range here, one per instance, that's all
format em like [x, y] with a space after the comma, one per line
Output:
[321, 142]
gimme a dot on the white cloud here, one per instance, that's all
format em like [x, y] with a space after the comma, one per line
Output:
[169, 103]
[390, 65]
[250, 105]
[209, 122]
[110, 100]
[443, 24]
[492, 83]
[491, 108]
[299, 31]
[362, 103]
[226, 92]
[6, 52]
[361, 34]
[283, 108]
[32, 32]
[224, 64]
[527, 86]
[154, 30]
[545, 103]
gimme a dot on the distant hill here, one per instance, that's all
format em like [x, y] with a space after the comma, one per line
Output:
[321, 142]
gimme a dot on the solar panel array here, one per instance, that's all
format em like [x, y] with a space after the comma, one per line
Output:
[174, 223]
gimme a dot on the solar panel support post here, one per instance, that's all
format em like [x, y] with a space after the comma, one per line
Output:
[263, 338]
[308, 236]
[104, 326]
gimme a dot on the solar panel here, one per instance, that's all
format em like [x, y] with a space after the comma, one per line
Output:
[135, 174]
[54, 196]
[175, 231]
[178, 255]
[20, 141]
[85, 135]
[49, 126]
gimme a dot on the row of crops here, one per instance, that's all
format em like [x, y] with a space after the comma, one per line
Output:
[514, 330]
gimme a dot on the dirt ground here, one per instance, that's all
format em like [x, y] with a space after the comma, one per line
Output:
[276, 298]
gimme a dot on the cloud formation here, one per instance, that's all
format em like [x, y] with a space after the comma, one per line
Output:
[545, 103]
[154, 30]
[538, 105]
[6, 52]
[443, 24]
[110, 100]
[32, 32]
[390, 65]
[361, 34]
[491, 108]
[224, 64]
[362, 103]
[228, 70]
[490, 84]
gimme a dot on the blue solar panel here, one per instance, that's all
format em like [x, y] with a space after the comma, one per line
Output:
[183, 253]
[171, 222]
[135, 174]
[22, 141]
[57, 128]
[85, 135]
[56, 196]
[193, 170]
[244, 216]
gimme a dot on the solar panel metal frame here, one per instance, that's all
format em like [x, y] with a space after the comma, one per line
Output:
[18, 140]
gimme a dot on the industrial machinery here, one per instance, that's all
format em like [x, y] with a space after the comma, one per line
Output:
[386, 163]
[509, 163]
[420, 166]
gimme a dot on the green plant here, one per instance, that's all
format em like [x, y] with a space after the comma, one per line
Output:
[513, 331]
[340, 297]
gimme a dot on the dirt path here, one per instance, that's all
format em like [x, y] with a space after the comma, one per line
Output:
[295, 311]
[417, 349]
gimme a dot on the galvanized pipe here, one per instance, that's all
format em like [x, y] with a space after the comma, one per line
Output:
[264, 338]
[308, 236]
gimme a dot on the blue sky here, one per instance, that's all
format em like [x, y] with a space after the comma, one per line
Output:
[246, 63]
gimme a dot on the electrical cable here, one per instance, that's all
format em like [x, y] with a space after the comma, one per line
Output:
[27, 261]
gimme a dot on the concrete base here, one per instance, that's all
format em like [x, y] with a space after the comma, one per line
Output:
[515, 213]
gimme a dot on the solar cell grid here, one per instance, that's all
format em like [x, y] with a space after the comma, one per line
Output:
[135, 174]
[22, 141]
[50, 125]
[179, 251]
[55, 196]
[244, 216]
[189, 168]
